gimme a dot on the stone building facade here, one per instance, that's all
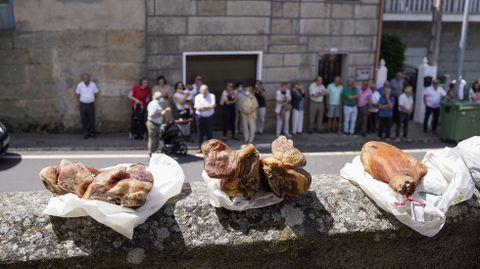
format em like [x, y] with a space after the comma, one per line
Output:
[415, 35]
[118, 41]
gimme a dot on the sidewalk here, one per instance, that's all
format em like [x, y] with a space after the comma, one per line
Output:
[305, 142]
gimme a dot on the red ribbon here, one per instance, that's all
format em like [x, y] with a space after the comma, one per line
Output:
[410, 199]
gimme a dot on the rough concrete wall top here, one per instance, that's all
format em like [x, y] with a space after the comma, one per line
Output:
[58, 15]
[333, 225]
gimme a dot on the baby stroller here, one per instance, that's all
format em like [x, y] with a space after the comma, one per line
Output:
[137, 127]
[173, 139]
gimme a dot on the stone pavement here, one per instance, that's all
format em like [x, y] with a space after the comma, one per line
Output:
[120, 141]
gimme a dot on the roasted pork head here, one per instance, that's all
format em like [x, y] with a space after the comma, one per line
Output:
[284, 180]
[283, 150]
[391, 165]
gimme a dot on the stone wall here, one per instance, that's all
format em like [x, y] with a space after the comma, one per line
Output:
[415, 35]
[291, 34]
[334, 225]
[53, 44]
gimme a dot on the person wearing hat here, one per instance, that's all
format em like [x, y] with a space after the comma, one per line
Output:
[156, 112]
[432, 98]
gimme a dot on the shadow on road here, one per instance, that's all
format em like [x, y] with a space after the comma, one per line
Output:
[12, 160]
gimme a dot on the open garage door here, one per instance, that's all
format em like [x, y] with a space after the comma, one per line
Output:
[218, 70]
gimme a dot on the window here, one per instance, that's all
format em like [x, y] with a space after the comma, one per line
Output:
[6, 15]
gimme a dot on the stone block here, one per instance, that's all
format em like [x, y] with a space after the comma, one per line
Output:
[366, 11]
[13, 73]
[40, 110]
[342, 10]
[342, 27]
[175, 7]
[228, 25]
[167, 25]
[298, 59]
[164, 62]
[272, 60]
[249, 8]
[345, 44]
[284, 74]
[315, 26]
[211, 7]
[276, 9]
[6, 40]
[291, 9]
[150, 7]
[40, 73]
[125, 39]
[12, 111]
[41, 56]
[36, 40]
[120, 71]
[287, 40]
[361, 58]
[282, 26]
[161, 44]
[287, 48]
[366, 27]
[125, 55]
[15, 56]
[83, 39]
[314, 10]
[206, 43]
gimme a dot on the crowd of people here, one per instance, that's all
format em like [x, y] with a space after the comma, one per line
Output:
[350, 108]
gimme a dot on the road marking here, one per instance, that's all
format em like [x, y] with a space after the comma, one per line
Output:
[129, 156]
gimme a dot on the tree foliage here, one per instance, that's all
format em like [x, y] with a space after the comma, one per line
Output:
[393, 52]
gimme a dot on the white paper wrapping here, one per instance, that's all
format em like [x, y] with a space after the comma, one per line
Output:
[218, 198]
[168, 180]
[448, 182]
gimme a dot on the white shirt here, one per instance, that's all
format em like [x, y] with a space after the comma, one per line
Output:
[155, 109]
[434, 97]
[87, 93]
[374, 101]
[314, 89]
[405, 101]
[179, 95]
[201, 101]
[471, 94]
[279, 98]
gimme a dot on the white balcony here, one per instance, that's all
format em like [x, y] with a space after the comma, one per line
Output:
[420, 10]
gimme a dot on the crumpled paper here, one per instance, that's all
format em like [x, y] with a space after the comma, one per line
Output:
[447, 182]
[168, 180]
[218, 198]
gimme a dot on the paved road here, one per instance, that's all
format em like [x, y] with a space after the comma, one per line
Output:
[19, 171]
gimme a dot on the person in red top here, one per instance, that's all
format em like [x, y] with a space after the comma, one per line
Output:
[140, 96]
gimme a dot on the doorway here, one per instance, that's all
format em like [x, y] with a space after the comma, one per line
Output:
[217, 69]
[330, 66]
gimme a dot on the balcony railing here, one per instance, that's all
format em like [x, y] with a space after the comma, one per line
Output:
[454, 7]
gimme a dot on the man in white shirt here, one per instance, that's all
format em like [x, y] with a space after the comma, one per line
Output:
[373, 108]
[204, 110]
[317, 93]
[86, 91]
[155, 111]
[432, 99]
[405, 109]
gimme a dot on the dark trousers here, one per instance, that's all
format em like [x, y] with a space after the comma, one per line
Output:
[204, 128]
[228, 120]
[87, 117]
[428, 112]
[396, 117]
[372, 122]
[384, 125]
[404, 118]
[362, 120]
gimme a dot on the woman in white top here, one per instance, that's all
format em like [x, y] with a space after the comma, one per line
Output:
[373, 108]
[474, 94]
[184, 116]
[163, 87]
[283, 109]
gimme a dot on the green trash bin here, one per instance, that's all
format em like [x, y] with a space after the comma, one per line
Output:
[459, 120]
